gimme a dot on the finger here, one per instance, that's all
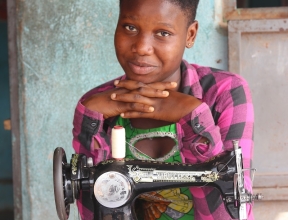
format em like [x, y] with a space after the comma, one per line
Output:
[132, 85]
[162, 85]
[136, 107]
[135, 114]
[129, 84]
[121, 90]
[131, 98]
[150, 92]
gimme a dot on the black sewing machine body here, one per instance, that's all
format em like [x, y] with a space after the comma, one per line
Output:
[114, 185]
[175, 175]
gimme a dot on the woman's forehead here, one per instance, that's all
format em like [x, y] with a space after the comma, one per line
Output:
[156, 4]
[187, 7]
[151, 9]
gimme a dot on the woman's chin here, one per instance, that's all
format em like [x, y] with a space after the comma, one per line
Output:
[141, 78]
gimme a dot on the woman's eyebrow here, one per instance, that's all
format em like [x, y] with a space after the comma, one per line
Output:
[135, 18]
[166, 24]
[131, 17]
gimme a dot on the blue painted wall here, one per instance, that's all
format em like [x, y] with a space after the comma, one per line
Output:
[6, 189]
[66, 48]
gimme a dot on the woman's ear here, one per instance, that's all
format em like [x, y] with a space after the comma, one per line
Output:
[191, 34]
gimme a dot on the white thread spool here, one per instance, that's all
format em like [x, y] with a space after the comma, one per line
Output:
[118, 142]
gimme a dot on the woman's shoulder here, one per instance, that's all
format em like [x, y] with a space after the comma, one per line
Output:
[218, 76]
[222, 87]
[216, 85]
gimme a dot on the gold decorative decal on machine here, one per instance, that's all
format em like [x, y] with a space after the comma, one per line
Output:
[74, 163]
[118, 160]
[144, 175]
[107, 161]
[210, 177]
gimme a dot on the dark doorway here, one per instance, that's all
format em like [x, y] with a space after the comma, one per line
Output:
[261, 3]
[6, 186]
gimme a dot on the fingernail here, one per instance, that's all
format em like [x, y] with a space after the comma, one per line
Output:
[122, 115]
[166, 93]
[116, 82]
[113, 96]
[151, 109]
[174, 84]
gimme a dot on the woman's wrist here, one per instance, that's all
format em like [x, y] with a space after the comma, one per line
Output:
[190, 104]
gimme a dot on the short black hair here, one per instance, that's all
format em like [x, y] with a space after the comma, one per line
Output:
[188, 7]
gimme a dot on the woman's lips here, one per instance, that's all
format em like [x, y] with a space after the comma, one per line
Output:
[141, 68]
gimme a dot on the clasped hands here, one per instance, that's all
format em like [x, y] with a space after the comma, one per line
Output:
[132, 99]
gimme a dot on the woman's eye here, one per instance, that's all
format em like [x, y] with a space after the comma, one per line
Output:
[130, 28]
[163, 34]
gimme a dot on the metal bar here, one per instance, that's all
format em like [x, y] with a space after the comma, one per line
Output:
[256, 26]
[257, 13]
[273, 194]
[14, 104]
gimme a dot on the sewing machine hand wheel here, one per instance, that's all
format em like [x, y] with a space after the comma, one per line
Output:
[61, 182]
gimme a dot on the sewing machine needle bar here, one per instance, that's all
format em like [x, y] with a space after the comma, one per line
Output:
[240, 181]
[242, 212]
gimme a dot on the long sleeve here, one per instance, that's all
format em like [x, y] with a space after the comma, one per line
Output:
[199, 124]
[226, 114]
[88, 127]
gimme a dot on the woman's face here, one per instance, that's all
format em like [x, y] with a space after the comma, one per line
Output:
[150, 39]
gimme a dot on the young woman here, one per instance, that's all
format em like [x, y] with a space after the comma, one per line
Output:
[171, 110]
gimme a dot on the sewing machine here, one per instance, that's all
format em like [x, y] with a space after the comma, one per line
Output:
[114, 185]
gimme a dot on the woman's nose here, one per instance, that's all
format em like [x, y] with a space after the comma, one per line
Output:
[143, 45]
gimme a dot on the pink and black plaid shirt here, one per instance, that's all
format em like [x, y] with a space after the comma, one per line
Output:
[226, 114]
